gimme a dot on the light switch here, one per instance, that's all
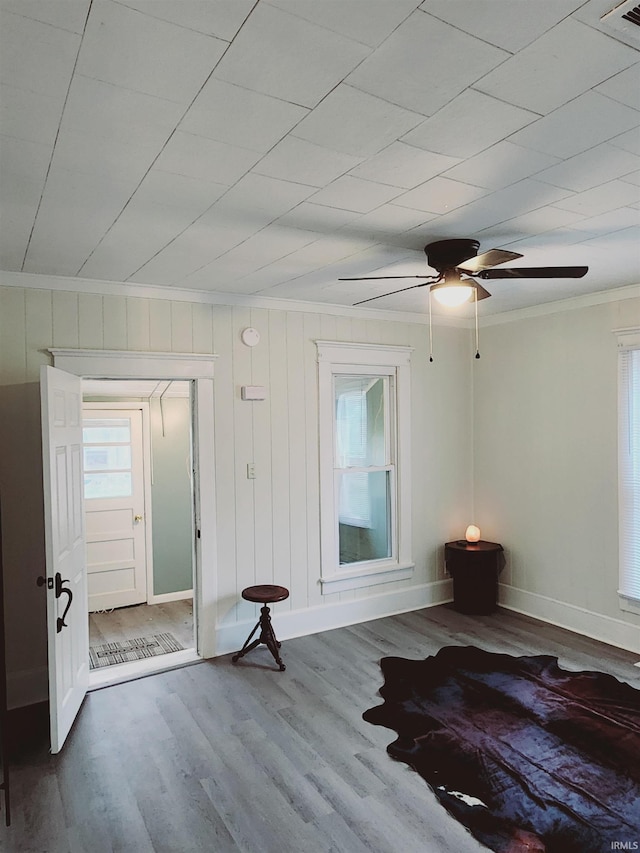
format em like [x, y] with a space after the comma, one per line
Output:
[251, 470]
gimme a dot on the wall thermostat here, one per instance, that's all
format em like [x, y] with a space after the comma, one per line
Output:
[250, 336]
[253, 392]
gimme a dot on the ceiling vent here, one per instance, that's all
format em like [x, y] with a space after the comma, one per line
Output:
[623, 21]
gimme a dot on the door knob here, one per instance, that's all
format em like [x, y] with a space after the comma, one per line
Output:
[137, 518]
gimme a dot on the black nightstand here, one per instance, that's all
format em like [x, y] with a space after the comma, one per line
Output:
[474, 568]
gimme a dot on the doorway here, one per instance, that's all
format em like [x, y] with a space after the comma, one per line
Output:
[139, 508]
[61, 407]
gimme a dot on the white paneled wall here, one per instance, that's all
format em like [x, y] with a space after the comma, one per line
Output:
[267, 528]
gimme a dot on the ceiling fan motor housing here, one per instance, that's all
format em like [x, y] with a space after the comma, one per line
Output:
[448, 254]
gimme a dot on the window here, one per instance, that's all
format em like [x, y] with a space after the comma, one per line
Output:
[629, 469]
[107, 458]
[364, 460]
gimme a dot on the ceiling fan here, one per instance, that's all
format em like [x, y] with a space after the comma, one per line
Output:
[453, 259]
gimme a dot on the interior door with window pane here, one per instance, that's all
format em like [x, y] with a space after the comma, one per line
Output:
[114, 507]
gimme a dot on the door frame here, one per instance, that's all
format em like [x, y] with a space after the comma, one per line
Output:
[143, 407]
[199, 369]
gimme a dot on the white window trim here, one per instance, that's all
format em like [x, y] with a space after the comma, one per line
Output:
[341, 357]
[628, 339]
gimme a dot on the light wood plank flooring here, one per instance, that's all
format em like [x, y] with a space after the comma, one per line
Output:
[221, 758]
[143, 620]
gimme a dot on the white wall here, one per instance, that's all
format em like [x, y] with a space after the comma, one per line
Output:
[268, 528]
[545, 413]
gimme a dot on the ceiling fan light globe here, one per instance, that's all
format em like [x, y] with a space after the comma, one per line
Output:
[452, 295]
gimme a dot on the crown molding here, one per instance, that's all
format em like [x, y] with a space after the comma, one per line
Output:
[586, 300]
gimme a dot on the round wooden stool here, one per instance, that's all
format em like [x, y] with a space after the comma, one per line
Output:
[264, 594]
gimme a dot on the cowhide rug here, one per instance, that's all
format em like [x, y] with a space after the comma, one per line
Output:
[528, 756]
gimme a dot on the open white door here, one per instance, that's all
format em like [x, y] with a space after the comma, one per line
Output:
[66, 579]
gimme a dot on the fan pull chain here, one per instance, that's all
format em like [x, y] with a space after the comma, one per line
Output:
[475, 290]
[430, 331]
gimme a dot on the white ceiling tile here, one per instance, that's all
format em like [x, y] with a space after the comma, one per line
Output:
[196, 247]
[317, 255]
[629, 141]
[239, 116]
[499, 206]
[28, 115]
[23, 168]
[389, 218]
[198, 157]
[110, 112]
[298, 160]
[220, 18]
[355, 123]
[174, 64]
[440, 195]
[138, 234]
[287, 57]
[403, 165]
[565, 62]
[623, 87]
[632, 178]
[258, 195]
[572, 129]
[36, 57]
[14, 234]
[271, 244]
[366, 21]
[602, 198]
[163, 207]
[609, 222]
[502, 164]
[69, 15]
[535, 222]
[94, 155]
[355, 194]
[449, 131]
[69, 223]
[596, 166]
[407, 69]
[503, 23]
[317, 217]
[178, 191]
[22, 162]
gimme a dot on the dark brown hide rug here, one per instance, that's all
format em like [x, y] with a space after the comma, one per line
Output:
[528, 756]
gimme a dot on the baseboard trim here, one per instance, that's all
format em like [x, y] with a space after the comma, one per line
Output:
[166, 597]
[614, 632]
[299, 623]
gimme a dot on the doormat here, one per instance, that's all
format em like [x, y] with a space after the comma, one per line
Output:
[130, 650]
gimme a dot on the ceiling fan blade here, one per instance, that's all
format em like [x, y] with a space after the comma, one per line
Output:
[488, 259]
[482, 293]
[391, 292]
[374, 277]
[534, 272]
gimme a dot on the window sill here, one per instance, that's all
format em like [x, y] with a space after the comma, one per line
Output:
[368, 576]
[629, 605]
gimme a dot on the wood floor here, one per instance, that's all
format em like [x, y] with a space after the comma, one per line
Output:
[143, 620]
[221, 758]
